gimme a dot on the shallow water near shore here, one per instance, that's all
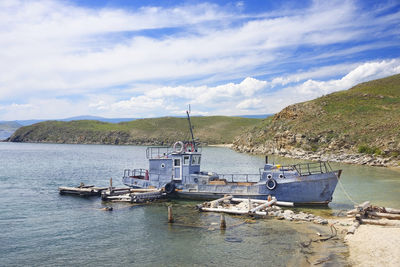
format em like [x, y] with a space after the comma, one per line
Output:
[41, 227]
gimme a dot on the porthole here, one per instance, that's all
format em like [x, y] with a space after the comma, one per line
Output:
[162, 165]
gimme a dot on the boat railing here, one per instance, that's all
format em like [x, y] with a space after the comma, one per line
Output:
[312, 168]
[135, 173]
[158, 152]
[238, 177]
[302, 169]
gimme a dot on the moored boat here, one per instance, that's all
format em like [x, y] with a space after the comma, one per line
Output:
[177, 170]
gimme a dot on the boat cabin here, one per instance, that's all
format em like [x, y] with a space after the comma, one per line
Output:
[168, 164]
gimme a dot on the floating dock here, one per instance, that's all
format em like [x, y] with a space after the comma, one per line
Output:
[81, 190]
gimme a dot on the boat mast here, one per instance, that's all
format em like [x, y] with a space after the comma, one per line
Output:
[190, 125]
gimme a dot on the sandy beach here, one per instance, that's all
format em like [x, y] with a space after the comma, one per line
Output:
[222, 145]
[373, 245]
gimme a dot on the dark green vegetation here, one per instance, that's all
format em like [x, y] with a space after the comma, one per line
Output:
[363, 119]
[7, 128]
[167, 130]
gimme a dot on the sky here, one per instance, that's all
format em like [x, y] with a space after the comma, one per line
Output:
[131, 59]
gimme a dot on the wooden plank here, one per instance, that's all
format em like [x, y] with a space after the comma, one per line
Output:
[245, 183]
[144, 189]
[231, 211]
[217, 182]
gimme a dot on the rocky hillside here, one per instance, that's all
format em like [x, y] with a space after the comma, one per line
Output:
[157, 131]
[360, 125]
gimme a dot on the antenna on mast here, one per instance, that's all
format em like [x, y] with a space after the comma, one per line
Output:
[190, 125]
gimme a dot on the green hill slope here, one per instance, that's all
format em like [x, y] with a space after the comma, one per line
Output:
[362, 120]
[167, 130]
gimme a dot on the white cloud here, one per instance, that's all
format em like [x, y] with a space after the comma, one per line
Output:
[57, 48]
[250, 96]
[55, 52]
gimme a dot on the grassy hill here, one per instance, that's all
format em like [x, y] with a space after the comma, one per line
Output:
[364, 119]
[167, 130]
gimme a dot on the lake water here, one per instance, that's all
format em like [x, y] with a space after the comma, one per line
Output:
[40, 227]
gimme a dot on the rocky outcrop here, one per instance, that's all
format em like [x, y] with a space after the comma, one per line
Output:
[360, 126]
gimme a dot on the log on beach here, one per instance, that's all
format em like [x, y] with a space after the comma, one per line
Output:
[277, 203]
[383, 222]
[353, 228]
[263, 206]
[384, 215]
[392, 211]
[214, 203]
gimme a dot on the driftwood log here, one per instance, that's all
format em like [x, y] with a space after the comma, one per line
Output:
[383, 222]
[365, 213]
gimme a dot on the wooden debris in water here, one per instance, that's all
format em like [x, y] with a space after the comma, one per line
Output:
[366, 213]
[170, 216]
[258, 207]
[222, 224]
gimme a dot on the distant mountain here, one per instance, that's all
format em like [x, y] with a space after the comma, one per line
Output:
[156, 131]
[259, 116]
[8, 128]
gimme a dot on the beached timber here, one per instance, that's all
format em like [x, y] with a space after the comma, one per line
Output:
[366, 213]
[81, 190]
[253, 207]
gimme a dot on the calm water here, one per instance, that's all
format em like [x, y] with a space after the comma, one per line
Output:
[40, 227]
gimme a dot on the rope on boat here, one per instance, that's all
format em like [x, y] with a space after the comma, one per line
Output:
[344, 190]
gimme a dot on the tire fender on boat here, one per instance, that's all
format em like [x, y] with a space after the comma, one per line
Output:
[271, 184]
[169, 188]
[180, 145]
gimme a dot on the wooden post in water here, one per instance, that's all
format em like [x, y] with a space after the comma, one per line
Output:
[111, 187]
[170, 217]
[223, 222]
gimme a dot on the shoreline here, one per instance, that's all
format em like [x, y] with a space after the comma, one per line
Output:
[373, 245]
[221, 145]
[336, 156]
[370, 245]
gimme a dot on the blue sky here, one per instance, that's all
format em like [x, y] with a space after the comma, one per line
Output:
[152, 58]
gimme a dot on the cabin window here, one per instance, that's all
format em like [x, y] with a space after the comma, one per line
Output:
[186, 160]
[196, 160]
[163, 165]
[177, 162]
